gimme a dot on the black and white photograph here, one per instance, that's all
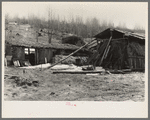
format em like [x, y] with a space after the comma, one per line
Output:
[75, 53]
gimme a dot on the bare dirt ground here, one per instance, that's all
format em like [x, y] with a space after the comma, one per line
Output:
[42, 85]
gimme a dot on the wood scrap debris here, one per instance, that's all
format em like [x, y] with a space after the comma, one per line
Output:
[89, 67]
[20, 81]
[77, 72]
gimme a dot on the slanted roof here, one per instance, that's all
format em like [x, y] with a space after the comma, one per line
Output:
[12, 22]
[23, 38]
[116, 33]
[27, 42]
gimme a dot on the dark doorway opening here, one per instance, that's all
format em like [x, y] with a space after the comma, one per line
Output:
[30, 55]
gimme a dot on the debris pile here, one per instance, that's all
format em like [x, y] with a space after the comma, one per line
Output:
[24, 81]
[71, 59]
[64, 67]
[73, 69]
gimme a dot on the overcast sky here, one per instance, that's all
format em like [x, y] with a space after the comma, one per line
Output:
[129, 13]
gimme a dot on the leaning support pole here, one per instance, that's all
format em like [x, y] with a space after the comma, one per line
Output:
[105, 51]
[69, 55]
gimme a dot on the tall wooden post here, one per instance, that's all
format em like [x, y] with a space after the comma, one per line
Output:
[35, 57]
[37, 36]
[28, 51]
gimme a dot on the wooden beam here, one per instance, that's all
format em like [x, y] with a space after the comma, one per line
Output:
[105, 50]
[78, 72]
[114, 39]
[70, 54]
[28, 51]
[35, 57]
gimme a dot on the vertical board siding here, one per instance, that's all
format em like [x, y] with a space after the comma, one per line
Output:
[136, 62]
[8, 49]
[42, 54]
[18, 53]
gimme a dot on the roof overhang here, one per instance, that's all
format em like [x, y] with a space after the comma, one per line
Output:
[118, 34]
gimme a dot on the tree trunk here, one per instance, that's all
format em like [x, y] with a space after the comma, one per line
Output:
[36, 36]
[50, 36]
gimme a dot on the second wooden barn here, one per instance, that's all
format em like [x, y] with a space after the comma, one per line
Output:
[116, 49]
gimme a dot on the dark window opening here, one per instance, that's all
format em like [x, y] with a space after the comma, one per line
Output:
[30, 55]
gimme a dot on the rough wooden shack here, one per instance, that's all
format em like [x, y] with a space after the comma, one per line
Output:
[17, 49]
[21, 48]
[22, 44]
[125, 50]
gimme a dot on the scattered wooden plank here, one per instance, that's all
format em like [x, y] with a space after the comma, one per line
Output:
[16, 63]
[120, 71]
[123, 71]
[77, 72]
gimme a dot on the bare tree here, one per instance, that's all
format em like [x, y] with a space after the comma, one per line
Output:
[50, 25]
[122, 25]
[16, 19]
[37, 26]
[6, 24]
[6, 18]
[139, 29]
[89, 27]
[95, 26]
[79, 23]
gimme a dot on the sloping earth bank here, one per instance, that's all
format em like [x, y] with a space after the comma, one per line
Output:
[42, 85]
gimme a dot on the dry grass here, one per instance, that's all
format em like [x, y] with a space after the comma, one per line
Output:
[73, 87]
